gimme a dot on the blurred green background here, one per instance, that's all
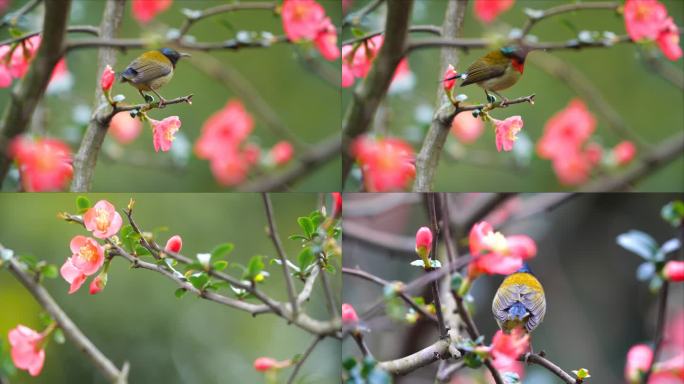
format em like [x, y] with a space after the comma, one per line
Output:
[649, 105]
[137, 318]
[278, 73]
[596, 308]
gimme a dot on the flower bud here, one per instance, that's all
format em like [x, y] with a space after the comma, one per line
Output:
[624, 152]
[98, 283]
[263, 364]
[107, 79]
[337, 204]
[674, 270]
[424, 244]
[174, 244]
[449, 78]
[639, 359]
[349, 315]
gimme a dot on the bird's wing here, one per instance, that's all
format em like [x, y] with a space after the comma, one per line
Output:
[532, 300]
[479, 71]
[139, 72]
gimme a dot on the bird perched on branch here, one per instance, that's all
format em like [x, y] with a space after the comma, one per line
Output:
[519, 301]
[151, 71]
[495, 71]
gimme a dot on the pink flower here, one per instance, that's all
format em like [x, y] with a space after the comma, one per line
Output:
[337, 204]
[360, 59]
[574, 168]
[494, 253]
[59, 71]
[302, 19]
[566, 131]
[671, 369]
[423, 241]
[145, 10]
[668, 40]
[231, 167]
[163, 131]
[347, 75]
[505, 132]
[624, 152]
[27, 349]
[488, 10]
[386, 164]
[17, 65]
[227, 128]
[98, 284]
[102, 220]
[349, 315]
[174, 244]
[674, 270]
[124, 128]
[466, 128]
[507, 348]
[594, 153]
[107, 78]
[449, 79]
[639, 359]
[263, 364]
[644, 19]
[44, 164]
[281, 153]
[87, 256]
[326, 40]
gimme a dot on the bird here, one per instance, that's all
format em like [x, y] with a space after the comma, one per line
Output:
[519, 301]
[151, 71]
[497, 70]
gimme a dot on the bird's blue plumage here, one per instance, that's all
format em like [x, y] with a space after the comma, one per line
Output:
[517, 311]
[525, 268]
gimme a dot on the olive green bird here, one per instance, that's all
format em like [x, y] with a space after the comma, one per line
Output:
[151, 71]
[495, 71]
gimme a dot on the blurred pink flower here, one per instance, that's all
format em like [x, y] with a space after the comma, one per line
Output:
[281, 153]
[227, 128]
[124, 128]
[337, 204]
[163, 131]
[349, 315]
[102, 220]
[624, 152]
[566, 131]
[506, 348]
[467, 128]
[326, 40]
[668, 40]
[386, 164]
[145, 10]
[27, 351]
[302, 19]
[644, 19]
[674, 270]
[44, 164]
[488, 10]
[98, 284]
[639, 358]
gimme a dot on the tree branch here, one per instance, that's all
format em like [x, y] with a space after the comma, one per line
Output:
[86, 156]
[123, 44]
[71, 331]
[372, 90]
[432, 214]
[565, 8]
[354, 19]
[73, 29]
[194, 16]
[26, 95]
[428, 355]
[662, 154]
[550, 366]
[660, 328]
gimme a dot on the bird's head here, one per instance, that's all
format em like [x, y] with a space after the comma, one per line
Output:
[524, 269]
[517, 54]
[173, 55]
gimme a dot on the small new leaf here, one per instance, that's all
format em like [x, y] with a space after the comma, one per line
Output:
[222, 250]
[82, 204]
[180, 292]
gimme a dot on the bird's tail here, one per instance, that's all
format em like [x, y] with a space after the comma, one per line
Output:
[518, 312]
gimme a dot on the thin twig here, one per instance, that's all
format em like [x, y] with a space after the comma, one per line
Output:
[91, 29]
[433, 29]
[565, 8]
[192, 17]
[303, 358]
[432, 213]
[148, 106]
[71, 331]
[329, 299]
[550, 366]
[13, 17]
[123, 44]
[354, 19]
[660, 328]
[275, 238]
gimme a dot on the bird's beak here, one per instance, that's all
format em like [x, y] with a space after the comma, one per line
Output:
[183, 54]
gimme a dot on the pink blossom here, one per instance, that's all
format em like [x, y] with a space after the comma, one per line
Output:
[145, 10]
[506, 132]
[494, 253]
[574, 168]
[349, 315]
[624, 152]
[449, 78]
[423, 240]
[27, 349]
[17, 65]
[281, 153]
[124, 128]
[466, 128]
[230, 168]
[102, 220]
[44, 164]
[594, 153]
[227, 128]
[644, 19]
[5, 3]
[668, 40]
[263, 364]
[174, 244]
[488, 10]
[347, 75]
[163, 131]
[87, 256]
[386, 164]
[107, 78]
[326, 40]
[98, 284]
[302, 19]
[639, 359]
[507, 348]
[566, 131]
[674, 270]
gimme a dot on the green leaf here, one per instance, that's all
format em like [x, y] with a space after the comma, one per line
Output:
[307, 226]
[142, 251]
[58, 336]
[129, 238]
[316, 218]
[297, 237]
[29, 260]
[180, 292]
[673, 213]
[358, 32]
[255, 266]
[222, 250]
[305, 258]
[220, 265]
[472, 360]
[82, 204]
[199, 279]
[50, 271]
[16, 32]
[349, 363]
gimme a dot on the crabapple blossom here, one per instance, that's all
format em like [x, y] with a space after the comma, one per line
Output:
[102, 220]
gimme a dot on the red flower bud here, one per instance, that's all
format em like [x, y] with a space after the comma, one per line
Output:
[107, 79]
[349, 315]
[174, 244]
[337, 204]
[423, 240]
[449, 78]
[98, 284]
[674, 270]
[263, 364]
[624, 152]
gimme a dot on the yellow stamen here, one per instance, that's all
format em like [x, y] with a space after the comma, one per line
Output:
[496, 241]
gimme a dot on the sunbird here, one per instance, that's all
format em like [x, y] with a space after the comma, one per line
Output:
[495, 71]
[519, 301]
[151, 71]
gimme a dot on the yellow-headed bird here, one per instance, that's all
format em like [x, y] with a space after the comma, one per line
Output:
[152, 70]
[519, 301]
[496, 71]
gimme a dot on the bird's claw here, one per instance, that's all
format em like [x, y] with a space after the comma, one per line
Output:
[491, 99]
[148, 99]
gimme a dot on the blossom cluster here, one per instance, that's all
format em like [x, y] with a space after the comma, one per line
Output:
[387, 164]
[357, 60]
[647, 20]
[15, 61]
[305, 21]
